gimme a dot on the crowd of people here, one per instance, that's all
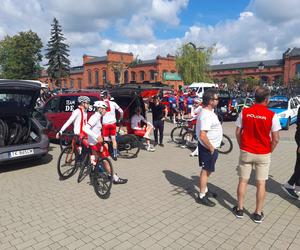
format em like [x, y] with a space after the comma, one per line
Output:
[257, 134]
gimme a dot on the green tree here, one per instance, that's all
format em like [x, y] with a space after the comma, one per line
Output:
[57, 54]
[251, 83]
[20, 56]
[230, 80]
[193, 63]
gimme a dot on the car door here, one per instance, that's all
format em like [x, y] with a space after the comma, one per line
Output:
[51, 111]
[293, 110]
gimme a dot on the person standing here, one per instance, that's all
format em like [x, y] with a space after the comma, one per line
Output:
[292, 186]
[209, 132]
[159, 115]
[257, 133]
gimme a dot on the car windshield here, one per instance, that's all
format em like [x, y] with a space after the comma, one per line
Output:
[194, 89]
[278, 104]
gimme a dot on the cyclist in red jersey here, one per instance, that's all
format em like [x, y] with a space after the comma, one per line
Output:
[93, 130]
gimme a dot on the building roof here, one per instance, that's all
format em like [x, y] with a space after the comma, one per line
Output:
[244, 65]
[292, 52]
[76, 69]
[97, 59]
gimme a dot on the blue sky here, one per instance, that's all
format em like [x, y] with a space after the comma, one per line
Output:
[240, 30]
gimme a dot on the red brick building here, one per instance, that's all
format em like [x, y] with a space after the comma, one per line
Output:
[119, 67]
[269, 71]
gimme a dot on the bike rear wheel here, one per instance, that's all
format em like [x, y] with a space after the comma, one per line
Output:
[226, 145]
[176, 134]
[102, 178]
[128, 146]
[67, 163]
[189, 140]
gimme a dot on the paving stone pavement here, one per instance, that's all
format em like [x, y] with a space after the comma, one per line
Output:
[156, 209]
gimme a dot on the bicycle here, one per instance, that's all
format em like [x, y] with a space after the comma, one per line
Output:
[190, 140]
[77, 155]
[179, 130]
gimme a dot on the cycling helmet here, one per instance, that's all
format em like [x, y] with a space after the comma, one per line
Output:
[100, 104]
[104, 93]
[82, 99]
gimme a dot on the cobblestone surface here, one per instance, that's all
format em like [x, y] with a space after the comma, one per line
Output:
[155, 210]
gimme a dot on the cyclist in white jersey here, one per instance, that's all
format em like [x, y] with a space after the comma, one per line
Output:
[196, 110]
[78, 117]
[93, 130]
[109, 128]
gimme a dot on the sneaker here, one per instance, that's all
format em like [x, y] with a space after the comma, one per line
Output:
[155, 144]
[239, 213]
[258, 218]
[205, 201]
[120, 181]
[115, 158]
[150, 149]
[183, 146]
[290, 192]
[193, 154]
[161, 144]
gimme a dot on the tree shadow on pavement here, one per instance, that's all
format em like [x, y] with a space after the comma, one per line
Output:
[186, 185]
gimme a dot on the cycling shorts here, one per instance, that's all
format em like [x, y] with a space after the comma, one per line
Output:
[109, 130]
[100, 149]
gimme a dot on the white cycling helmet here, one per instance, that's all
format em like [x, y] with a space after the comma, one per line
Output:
[82, 99]
[100, 104]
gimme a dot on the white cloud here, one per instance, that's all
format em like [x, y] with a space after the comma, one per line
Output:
[263, 30]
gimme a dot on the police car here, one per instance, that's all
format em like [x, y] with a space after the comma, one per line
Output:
[286, 109]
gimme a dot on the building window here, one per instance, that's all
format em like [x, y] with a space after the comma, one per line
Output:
[126, 80]
[104, 76]
[298, 69]
[79, 83]
[142, 75]
[152, 75]
[133, 76]
[89, 78]
[97, 78]
[117, 76]
[71, 83]
[65, 83]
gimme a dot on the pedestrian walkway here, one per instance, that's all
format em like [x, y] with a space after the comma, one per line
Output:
[156, 209]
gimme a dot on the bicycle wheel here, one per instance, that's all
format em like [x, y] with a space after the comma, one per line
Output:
[128, 146]
[176, 134]
[83, 168]
[67, 164]
[102, 178]
[189, 140]
[226, 145]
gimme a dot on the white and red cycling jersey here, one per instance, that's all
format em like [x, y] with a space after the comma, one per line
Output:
[79, 120]
[110, 115]
[93, 128]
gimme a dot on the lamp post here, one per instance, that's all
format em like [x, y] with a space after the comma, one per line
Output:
[261, 67]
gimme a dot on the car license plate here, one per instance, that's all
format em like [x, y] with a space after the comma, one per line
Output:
[21, 153]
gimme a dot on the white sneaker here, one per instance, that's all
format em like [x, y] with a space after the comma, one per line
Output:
[150, 149]
[194, 154]
[183, 146]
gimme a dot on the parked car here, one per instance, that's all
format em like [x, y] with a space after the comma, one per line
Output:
[59, 108]
[21, 135]
[286, 109]
[225, 107]
[242, 102]
[201, 87]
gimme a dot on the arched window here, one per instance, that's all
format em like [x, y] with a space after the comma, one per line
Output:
[79, 83]
[152, 75]
[97, 77]
[126, 80]
[65, 83]
[298, 69]
[133, 76]
[142, 76]
[104, 76]
[89, 77]
[71, 83]
[117, 76]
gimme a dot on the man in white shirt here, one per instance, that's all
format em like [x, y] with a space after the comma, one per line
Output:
[93, 130]
[78, 117]
[109, 122]
[209, 132]
[140, 131]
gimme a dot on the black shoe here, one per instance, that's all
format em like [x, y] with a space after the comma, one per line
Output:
[258, 218]
[210, 194]
[290, 191]
[155, 144]
[161, 144]
[239, 213]
[120, 181]
[205, 201]
[114, 157]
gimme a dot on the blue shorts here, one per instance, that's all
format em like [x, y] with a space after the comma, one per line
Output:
[207, 160]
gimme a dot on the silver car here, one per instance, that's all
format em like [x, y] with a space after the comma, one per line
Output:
[21, 135]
